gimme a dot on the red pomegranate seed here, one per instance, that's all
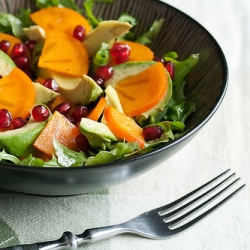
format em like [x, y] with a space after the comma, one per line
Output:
[83, 144]
[40, 113]
[70, 118]
[63, 108]
[51, 84]
[159, 59]
[79, 32]
[98, 80]
[4, 45]
[19, 49]
[21, 62]
[5, 118]
[30, 44]
[18, 122]
[105, 72]
[169, 65]
[152, 132]
[79, 112]
[120, 52]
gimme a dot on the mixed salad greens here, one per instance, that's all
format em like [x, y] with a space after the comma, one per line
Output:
[157, 124]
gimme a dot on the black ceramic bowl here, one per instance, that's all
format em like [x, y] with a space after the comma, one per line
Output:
[207, 83]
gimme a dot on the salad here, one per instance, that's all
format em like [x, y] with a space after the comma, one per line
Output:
[77, 90]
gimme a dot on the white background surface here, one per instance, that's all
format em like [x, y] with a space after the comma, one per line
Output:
[223, 143]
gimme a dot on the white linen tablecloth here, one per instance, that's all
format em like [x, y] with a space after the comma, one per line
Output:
[223, 143]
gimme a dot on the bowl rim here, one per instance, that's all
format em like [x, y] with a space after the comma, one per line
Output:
[164, 146]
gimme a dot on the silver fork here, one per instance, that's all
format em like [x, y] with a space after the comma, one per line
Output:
[160, 223]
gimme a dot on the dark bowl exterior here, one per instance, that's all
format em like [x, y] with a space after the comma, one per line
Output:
[206, 86]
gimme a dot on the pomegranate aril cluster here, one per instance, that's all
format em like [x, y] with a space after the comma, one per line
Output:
[169, 66]
[63, 108]
[18, 54]
[78, 113]
[5, 118]
[83, 144]
[40, 113]
[51, 84]
[102, 74]
[30, 44]
[18, 122]
[79, 32]
[120, 52]
[4, 45]
[152, 132]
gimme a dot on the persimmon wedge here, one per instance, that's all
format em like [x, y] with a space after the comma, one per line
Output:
[123, 126]
[64, 54]
[141, 92]
[97, 111]
[60, 19]
[17, 93]
[59, 128]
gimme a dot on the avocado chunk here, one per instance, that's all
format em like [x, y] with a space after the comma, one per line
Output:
[19, 142]
[105, 32]
[113, 98]
[35, 33]
[78, 90]
[97, 133]
[125, 70]
[43, 94]
[6, 64]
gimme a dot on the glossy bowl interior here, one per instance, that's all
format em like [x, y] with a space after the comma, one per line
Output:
[206, 86]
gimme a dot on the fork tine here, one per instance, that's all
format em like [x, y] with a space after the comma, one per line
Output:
[179, 219]
[178, 210]
[201, 216]
[190, 194]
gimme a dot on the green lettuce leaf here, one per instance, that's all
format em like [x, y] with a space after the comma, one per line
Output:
[182, 68]
[11, 25]
[120, 150]
[130, 36]
[8, 157]
[24, 17]
[88, 9]
[179, 109]
[32, 161]
[67, 157]
[152, 33]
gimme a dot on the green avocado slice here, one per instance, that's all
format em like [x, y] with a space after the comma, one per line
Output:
[6, 64]
[19, 142]
[98, 134]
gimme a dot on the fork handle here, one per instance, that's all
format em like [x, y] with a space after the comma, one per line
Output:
[70, 241]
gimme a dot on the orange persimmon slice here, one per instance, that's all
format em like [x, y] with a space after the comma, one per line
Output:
[143, 91]
[123, 126]
[96, 112]
[59, 128]
[64, 54]
[40, 80]
[17, 93]
[60, 19]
